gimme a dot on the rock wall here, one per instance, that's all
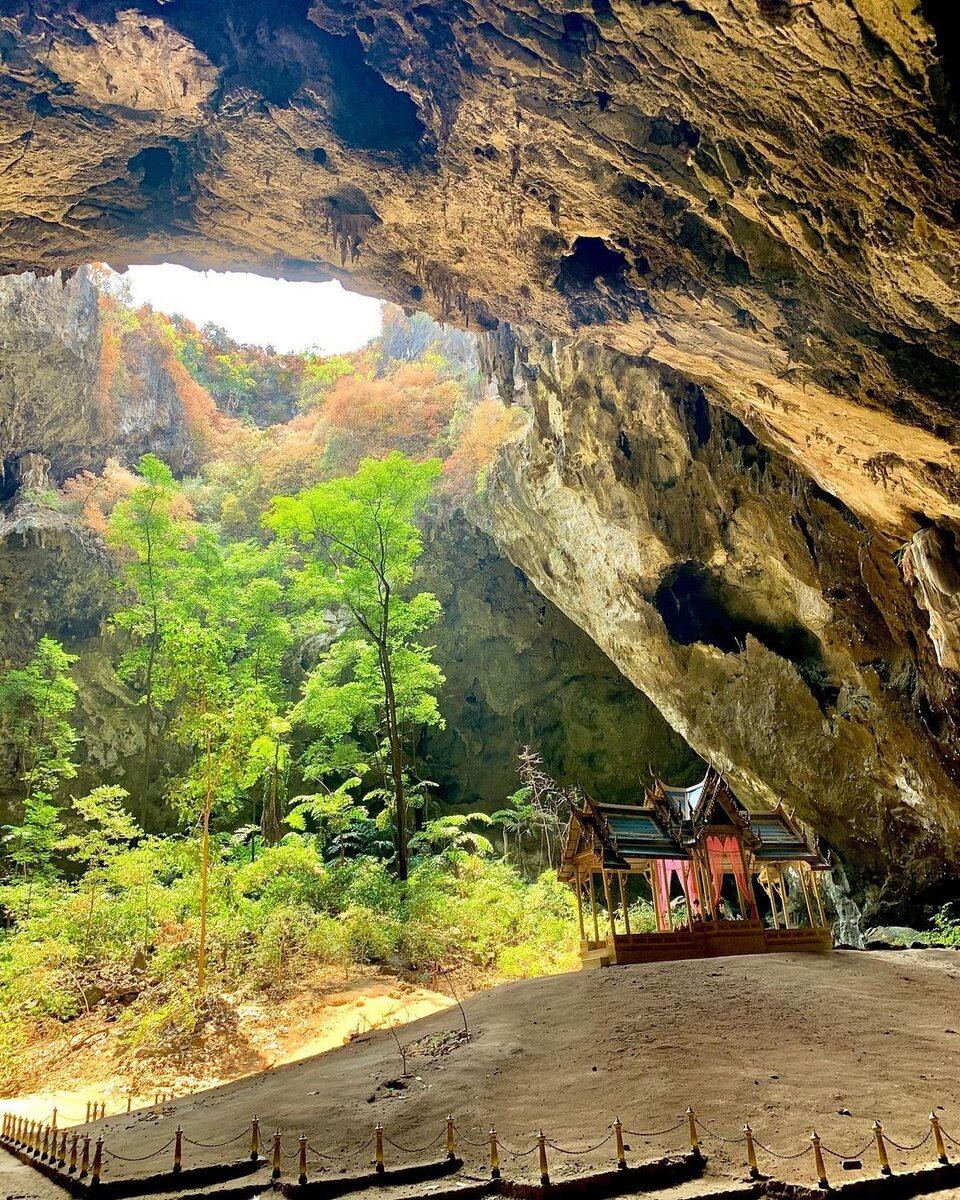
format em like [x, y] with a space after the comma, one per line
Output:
[521, 673]
[770, 626]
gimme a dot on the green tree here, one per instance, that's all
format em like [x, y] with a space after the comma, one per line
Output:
[223, 655]
[153, 537]
[31, 844]
[107, 830]
[35, 705]
[359, 544]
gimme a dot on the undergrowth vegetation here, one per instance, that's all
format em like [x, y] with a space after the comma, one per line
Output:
[267, 617]
[126, 941]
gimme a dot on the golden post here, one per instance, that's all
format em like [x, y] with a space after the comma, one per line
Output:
[86, 1119]
[494, 1155]
[275, 1173]
[621, 1156]
[378, 1148]
[694, 1140]
[6, 1124]
[254, 1139]
[751, 1153]
[881, 1149]
[129, 1102]
[302, 1178]
[21, 1126]
[45, 1147]
[72, 1168]
[542, 1154]
[822, 1182]
[35, 1138]
[451, 1143]
[177, 1150]
[53, 1123]
[938, 1138]
[62, 1156]
[85, 1157]
[97, 1161]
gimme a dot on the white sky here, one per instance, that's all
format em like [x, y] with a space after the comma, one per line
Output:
[291, 317]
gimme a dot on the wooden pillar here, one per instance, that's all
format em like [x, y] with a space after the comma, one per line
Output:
[783, 896]
[623, 903]
[771, 894]
[655, 897]
[593, 909]
[750, 898]
[707, 899]
[609, 899]
[815, 884]
[610, 915]
[669, 913]
[802, 872]
[579, 890]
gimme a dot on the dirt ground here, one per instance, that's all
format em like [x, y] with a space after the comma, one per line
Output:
[91, 1065]
[786, 1042]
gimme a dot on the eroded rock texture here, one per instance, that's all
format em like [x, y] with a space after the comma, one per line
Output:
[764, 619]
[753, 198]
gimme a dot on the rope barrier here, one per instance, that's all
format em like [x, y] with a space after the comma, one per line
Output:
[420, 1150]
[517, 1153]
[584, 1150]
[849, 1157]
[923, 1141]
[217, 1145]
[655, 1132]
[953, 1141]
[467, 1141]
[783, 1157]
[718, 1137]
[320, 1153]
[142, 1158]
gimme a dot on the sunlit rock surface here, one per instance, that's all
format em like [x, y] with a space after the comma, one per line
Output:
[758, 197]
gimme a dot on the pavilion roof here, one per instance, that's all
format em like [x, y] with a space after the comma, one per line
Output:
[780, 838]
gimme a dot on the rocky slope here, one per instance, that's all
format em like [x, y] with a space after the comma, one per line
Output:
[746, 209]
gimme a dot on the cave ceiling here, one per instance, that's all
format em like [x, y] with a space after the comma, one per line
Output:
[760, 194]
[758, 199]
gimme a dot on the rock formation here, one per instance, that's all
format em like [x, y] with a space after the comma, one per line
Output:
[722, 232]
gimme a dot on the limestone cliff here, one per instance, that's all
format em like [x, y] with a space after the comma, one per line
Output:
[521, 673]
[772, 628]
[730, 230]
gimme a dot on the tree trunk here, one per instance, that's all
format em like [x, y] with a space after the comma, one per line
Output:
[204, 873]
[270, 820]
[396, 761]
[148, 733]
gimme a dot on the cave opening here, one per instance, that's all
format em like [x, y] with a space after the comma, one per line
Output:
[695, 608]
[590, 259]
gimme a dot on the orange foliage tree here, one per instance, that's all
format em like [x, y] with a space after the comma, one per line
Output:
[408, 411]
[487, 427]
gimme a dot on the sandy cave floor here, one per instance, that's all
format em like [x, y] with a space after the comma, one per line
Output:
[785, 1042]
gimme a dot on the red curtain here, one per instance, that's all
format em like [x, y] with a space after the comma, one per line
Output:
[723, 854]
[666, 868]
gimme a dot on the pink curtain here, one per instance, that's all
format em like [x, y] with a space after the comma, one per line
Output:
[663, 876]
[723, 854]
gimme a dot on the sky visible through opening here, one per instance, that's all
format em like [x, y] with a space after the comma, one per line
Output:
[291, 317]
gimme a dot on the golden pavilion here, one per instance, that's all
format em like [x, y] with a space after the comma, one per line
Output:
[715, 873]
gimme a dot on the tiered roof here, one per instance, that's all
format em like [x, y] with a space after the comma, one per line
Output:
[671, 820]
